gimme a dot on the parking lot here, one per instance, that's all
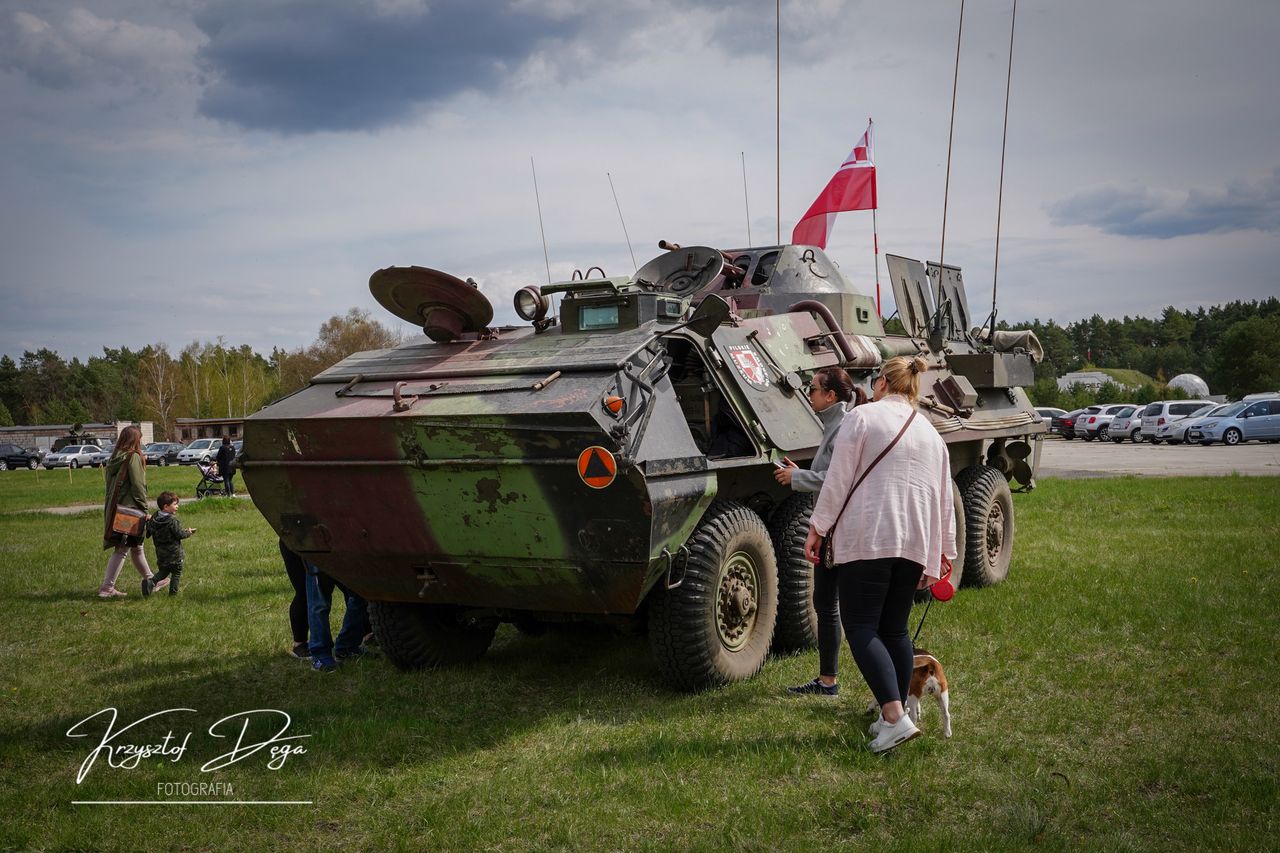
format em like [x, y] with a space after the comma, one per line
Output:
[1078, 458]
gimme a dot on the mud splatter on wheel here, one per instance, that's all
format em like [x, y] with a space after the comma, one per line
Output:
[988, 509]
[797, 625]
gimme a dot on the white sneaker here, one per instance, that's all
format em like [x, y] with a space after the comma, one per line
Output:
[890, 736]
[875, 727]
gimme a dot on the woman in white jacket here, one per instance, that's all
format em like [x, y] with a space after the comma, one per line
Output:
[890, 538]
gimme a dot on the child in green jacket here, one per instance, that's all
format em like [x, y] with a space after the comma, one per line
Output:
[164, 529]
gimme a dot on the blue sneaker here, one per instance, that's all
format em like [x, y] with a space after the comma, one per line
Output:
[323, 664]
[815, 688]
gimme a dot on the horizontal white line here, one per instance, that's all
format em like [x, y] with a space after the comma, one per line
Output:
[191, 802]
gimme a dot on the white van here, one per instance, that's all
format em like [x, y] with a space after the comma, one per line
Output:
[1158, 414]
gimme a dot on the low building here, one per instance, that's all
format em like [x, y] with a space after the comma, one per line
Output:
[1090, 379]
[44, 435]
[189, 429]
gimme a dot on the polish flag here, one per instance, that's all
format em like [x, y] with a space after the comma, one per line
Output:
[853, 187]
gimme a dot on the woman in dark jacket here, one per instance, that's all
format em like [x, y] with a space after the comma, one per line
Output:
[126, 475]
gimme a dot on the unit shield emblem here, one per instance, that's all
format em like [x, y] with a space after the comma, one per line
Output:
[749, 365]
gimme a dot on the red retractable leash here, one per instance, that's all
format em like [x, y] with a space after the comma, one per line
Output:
[942, 590]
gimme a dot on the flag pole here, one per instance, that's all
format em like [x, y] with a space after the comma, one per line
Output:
[875, 232]
[777, 42]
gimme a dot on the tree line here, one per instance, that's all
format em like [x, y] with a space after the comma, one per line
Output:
[205, 379]
[1234, 347]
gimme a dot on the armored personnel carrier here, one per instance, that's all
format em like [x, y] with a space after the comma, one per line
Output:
[614, 457]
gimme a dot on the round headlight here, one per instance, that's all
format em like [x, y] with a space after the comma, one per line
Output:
[530, 304]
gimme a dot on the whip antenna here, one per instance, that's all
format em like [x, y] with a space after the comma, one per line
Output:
[955, 80]
[536, 198]
[745, 202]
[620, 219]
[1004, 139]
[777, 40]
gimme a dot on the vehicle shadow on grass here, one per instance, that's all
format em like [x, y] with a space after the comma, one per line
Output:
[369, 714]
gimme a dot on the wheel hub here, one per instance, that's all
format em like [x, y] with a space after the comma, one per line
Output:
[995, 532]
[736, 601]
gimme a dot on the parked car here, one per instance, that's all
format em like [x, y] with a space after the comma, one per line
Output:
[1126, 426]
[1082, 421]
[1175, 431]
[1048, 413]
[162, 453]
[1158, 414]
[1064, 425]
[1248, 420]
[73, 456]
[201, 450]
[1097, 424]
[100, 458]
[13, 457]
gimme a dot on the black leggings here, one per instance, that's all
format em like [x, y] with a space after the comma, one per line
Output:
[826, 601]
[875, 603]
[297, 570]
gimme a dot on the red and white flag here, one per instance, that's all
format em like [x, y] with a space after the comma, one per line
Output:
[853, 187]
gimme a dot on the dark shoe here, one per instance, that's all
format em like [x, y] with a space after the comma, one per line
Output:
[324, 664]
[300, 651]
[815, 688]
[148, 586]
[355, 654]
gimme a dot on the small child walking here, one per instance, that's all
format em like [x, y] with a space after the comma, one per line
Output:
[163, 527]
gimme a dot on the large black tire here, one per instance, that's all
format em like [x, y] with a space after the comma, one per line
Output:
[989, 528]
[957, 565]
[717, 625]
[425, 636]
[797, 625]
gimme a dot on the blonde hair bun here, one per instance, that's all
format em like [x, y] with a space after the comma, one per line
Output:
[919, 365]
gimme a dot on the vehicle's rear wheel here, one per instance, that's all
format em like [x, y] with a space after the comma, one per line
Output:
[424, 636]
[797, 625]
[989, 528]
[1232, 437]
[1087, 437]
[164, 460]
[1103, 433]
[1155, 440]
[716, 625]
[4, 465]
[1136, 436]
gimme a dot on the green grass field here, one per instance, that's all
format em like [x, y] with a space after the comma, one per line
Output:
[1114, 693]
[23, 489]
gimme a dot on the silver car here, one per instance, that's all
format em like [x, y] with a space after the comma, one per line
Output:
[1156, 415]
[201, 450]
[1127, 426]
[1248, 420]
[1098, 424]
[100, 458]
[1174, 430]
[73, 456]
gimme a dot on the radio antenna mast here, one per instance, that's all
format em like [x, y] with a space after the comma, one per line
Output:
[745, 202]
[955, 81]
[777, 40]
[620, 219]
[545, 257]
[1004, 139]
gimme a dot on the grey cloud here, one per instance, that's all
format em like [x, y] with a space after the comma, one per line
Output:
[298, 66]
[80, 48]
[1141, 212]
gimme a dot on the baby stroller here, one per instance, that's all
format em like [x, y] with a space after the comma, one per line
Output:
[211, 482]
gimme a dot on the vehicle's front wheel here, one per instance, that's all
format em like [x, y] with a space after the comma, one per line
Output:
[1232, 437]
[797, 626]
[715, 627]
[1103, 433]
[425, 636]
[74, 464]
[33, 464]
[164, 460]
[989, 528]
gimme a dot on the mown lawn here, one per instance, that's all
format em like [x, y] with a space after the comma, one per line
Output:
[1114, 693]
[23, 489]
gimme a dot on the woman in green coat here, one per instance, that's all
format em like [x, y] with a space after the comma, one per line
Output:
[126, 474]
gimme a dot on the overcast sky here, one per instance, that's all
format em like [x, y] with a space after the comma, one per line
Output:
[176, 170]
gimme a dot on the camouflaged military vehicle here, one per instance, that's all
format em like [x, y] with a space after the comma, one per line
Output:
[614, 457]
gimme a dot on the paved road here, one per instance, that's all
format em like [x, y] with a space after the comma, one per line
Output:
[1078, 458]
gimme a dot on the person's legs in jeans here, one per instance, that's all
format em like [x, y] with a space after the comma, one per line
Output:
[826, 601]
[894, 616]
[864, 584]
[355, 623]
[319, 602]
[226, 483]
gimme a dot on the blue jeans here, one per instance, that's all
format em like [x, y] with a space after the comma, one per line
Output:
[355, 623]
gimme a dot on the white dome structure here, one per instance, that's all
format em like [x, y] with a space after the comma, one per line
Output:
[1192, 384]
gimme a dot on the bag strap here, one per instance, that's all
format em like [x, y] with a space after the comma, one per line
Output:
[873, 464]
